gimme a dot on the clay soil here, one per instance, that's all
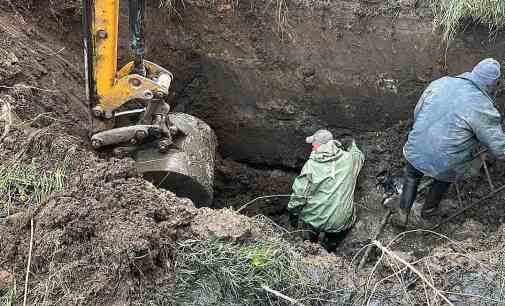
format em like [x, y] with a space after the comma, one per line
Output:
[108, 237]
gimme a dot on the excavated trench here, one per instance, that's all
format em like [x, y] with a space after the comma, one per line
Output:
[354, 67]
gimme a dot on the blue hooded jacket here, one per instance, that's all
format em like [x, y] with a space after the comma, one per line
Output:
[452, 116]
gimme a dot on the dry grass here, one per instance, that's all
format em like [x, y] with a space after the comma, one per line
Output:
[266, 271]
[8, 296]
[453, 15]
[442, 277]
[279, 9]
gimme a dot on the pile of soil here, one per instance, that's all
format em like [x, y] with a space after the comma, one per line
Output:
[106, 239]
[109, 237]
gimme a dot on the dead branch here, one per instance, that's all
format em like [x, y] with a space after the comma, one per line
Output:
[459, 212]
[376, 235]
[282, 296]
[7, 117]
[29, 263]
[267, 197]
[413, 269]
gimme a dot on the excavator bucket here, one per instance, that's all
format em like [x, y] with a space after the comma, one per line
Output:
[187, 169]
[179, 159]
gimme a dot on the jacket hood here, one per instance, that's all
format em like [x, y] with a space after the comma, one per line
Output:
[327, 152]
[476, 80]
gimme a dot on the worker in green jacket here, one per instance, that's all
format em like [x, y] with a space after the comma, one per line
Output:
[322, 198]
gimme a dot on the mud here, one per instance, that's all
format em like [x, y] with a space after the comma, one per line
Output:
[108, 238]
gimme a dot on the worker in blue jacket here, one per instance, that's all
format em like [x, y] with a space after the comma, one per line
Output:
[453, 115]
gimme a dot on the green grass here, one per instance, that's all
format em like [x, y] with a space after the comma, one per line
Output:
[216, 272]
[28, 184]
[451, 16]
[8, 297]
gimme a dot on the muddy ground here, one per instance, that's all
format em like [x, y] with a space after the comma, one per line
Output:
[108, 237]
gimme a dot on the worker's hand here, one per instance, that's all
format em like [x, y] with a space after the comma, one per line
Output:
[347, 142]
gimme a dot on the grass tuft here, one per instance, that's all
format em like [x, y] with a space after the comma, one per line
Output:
[29, 184]
[216, 272]
[453, 15]
[8, 298]
[279, 9]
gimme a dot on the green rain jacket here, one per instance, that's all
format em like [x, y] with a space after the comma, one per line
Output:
[323, 193]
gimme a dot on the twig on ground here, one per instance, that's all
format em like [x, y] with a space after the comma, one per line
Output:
[413, 269]
[399, 276]
[43, 115]
[459, 212]
[267, 197]
[29, 262]
[376, 235]
[502, 302]
[7, 117]
[458, 193]
[426, 293]
[372, 273]
[28, 143]
[486, 171]
[424, 259]
[431, 278]
[282, 296]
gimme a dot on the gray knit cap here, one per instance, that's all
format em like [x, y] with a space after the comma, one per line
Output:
[487, 72]
[320, 137]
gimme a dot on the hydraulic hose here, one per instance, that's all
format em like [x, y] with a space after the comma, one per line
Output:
[137, 11]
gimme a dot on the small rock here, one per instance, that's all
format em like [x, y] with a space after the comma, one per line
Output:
[221, 224]
[9, 65]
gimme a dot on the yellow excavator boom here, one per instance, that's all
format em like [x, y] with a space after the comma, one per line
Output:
[105, 42]
[175, 151]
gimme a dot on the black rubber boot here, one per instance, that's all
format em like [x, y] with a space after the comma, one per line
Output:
[431, 204]
[411, 180]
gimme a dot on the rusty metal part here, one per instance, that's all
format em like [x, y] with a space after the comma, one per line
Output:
[187, 168]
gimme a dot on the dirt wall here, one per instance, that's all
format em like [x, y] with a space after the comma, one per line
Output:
[353, 66]
[264, 83]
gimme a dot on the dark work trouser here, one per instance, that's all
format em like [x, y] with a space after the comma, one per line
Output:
[330, 241]
[411, 180]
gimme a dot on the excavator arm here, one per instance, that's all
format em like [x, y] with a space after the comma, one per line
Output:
[174, 151]
[108, 89]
